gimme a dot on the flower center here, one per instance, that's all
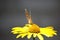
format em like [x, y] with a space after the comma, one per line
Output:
[34, 28]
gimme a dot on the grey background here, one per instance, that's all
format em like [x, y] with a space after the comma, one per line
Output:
[44, 13]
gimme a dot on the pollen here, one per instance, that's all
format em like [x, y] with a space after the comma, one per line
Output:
[34, 28]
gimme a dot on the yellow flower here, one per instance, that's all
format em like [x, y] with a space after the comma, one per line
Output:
[33, 29]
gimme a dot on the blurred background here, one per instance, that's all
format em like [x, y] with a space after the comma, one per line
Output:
[44, 13]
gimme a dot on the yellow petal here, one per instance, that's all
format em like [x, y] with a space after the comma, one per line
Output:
[14, 32]
[34, 35]
[18, 36]
[25, 29]
[17, 29]
[23, 35]
[29, 35]
[48, 31]
[40, 37]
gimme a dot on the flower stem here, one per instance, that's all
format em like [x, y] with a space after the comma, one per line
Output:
[33, 38]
